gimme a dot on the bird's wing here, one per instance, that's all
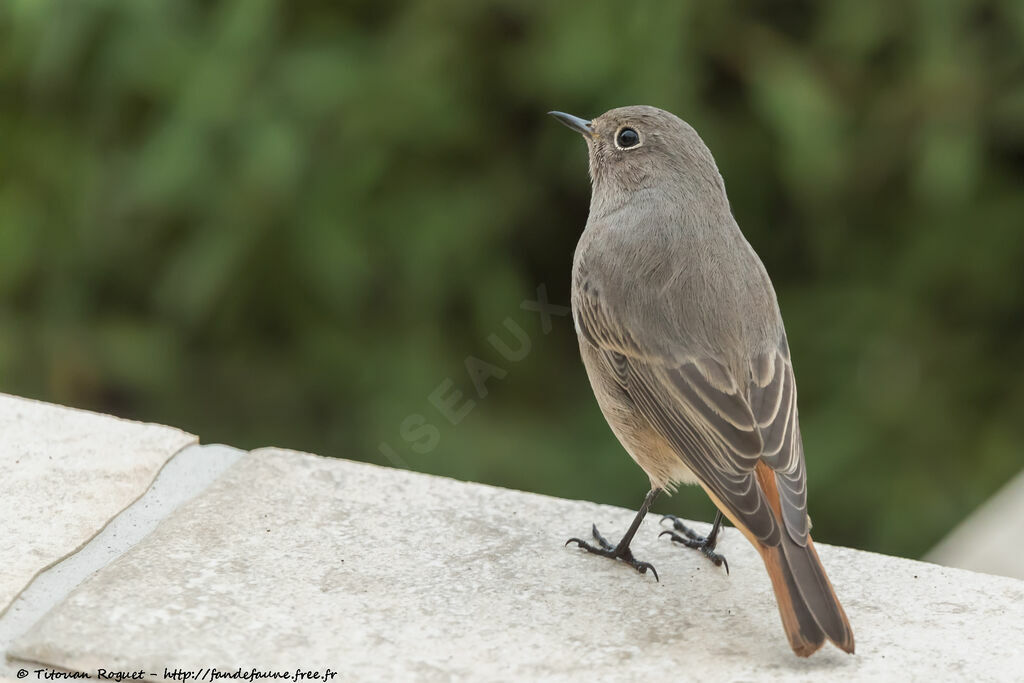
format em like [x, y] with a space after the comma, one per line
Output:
[719, 426]
[771, 395]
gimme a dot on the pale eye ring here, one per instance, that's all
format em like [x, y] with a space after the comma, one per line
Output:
[626, 138]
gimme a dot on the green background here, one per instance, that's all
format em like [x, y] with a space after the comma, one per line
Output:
[288, 223]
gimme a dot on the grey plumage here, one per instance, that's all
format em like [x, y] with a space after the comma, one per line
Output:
[685, 348]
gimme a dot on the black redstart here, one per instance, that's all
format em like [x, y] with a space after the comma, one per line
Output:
[682, 338]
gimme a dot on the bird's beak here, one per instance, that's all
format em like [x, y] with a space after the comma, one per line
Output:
[576, 123]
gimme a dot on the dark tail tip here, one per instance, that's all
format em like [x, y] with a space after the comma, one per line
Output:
[817, 593]
[807, 603]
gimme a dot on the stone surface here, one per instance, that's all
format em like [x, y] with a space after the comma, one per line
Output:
[64, 474]
[291, 560]
[188, 473]
[991, 538]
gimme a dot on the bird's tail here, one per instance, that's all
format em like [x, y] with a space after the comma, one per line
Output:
[808, 604]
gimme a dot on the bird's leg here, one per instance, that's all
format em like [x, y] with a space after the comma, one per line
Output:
[622, 551]
[691, 539]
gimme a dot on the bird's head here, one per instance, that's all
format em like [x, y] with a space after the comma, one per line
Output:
[640, 147]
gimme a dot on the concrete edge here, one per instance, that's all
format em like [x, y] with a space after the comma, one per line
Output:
[185, 475]
[49, 404]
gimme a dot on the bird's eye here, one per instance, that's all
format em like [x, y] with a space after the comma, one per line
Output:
[627, 138]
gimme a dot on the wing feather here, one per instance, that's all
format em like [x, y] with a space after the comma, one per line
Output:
[719, 425]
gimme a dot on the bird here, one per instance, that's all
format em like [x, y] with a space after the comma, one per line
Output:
[682, 338]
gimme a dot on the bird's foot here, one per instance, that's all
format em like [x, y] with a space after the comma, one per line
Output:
[606, 549]
[684, 535]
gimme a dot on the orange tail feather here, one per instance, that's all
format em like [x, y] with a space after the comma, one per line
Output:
[808, 604]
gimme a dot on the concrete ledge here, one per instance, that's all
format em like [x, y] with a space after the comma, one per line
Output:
[189, 472]
[291, 560]
[64, 474]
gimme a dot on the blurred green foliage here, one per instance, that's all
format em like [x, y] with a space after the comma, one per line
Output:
[273, 222]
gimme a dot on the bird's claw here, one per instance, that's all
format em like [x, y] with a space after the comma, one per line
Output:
[606, 549]
[691, 539]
